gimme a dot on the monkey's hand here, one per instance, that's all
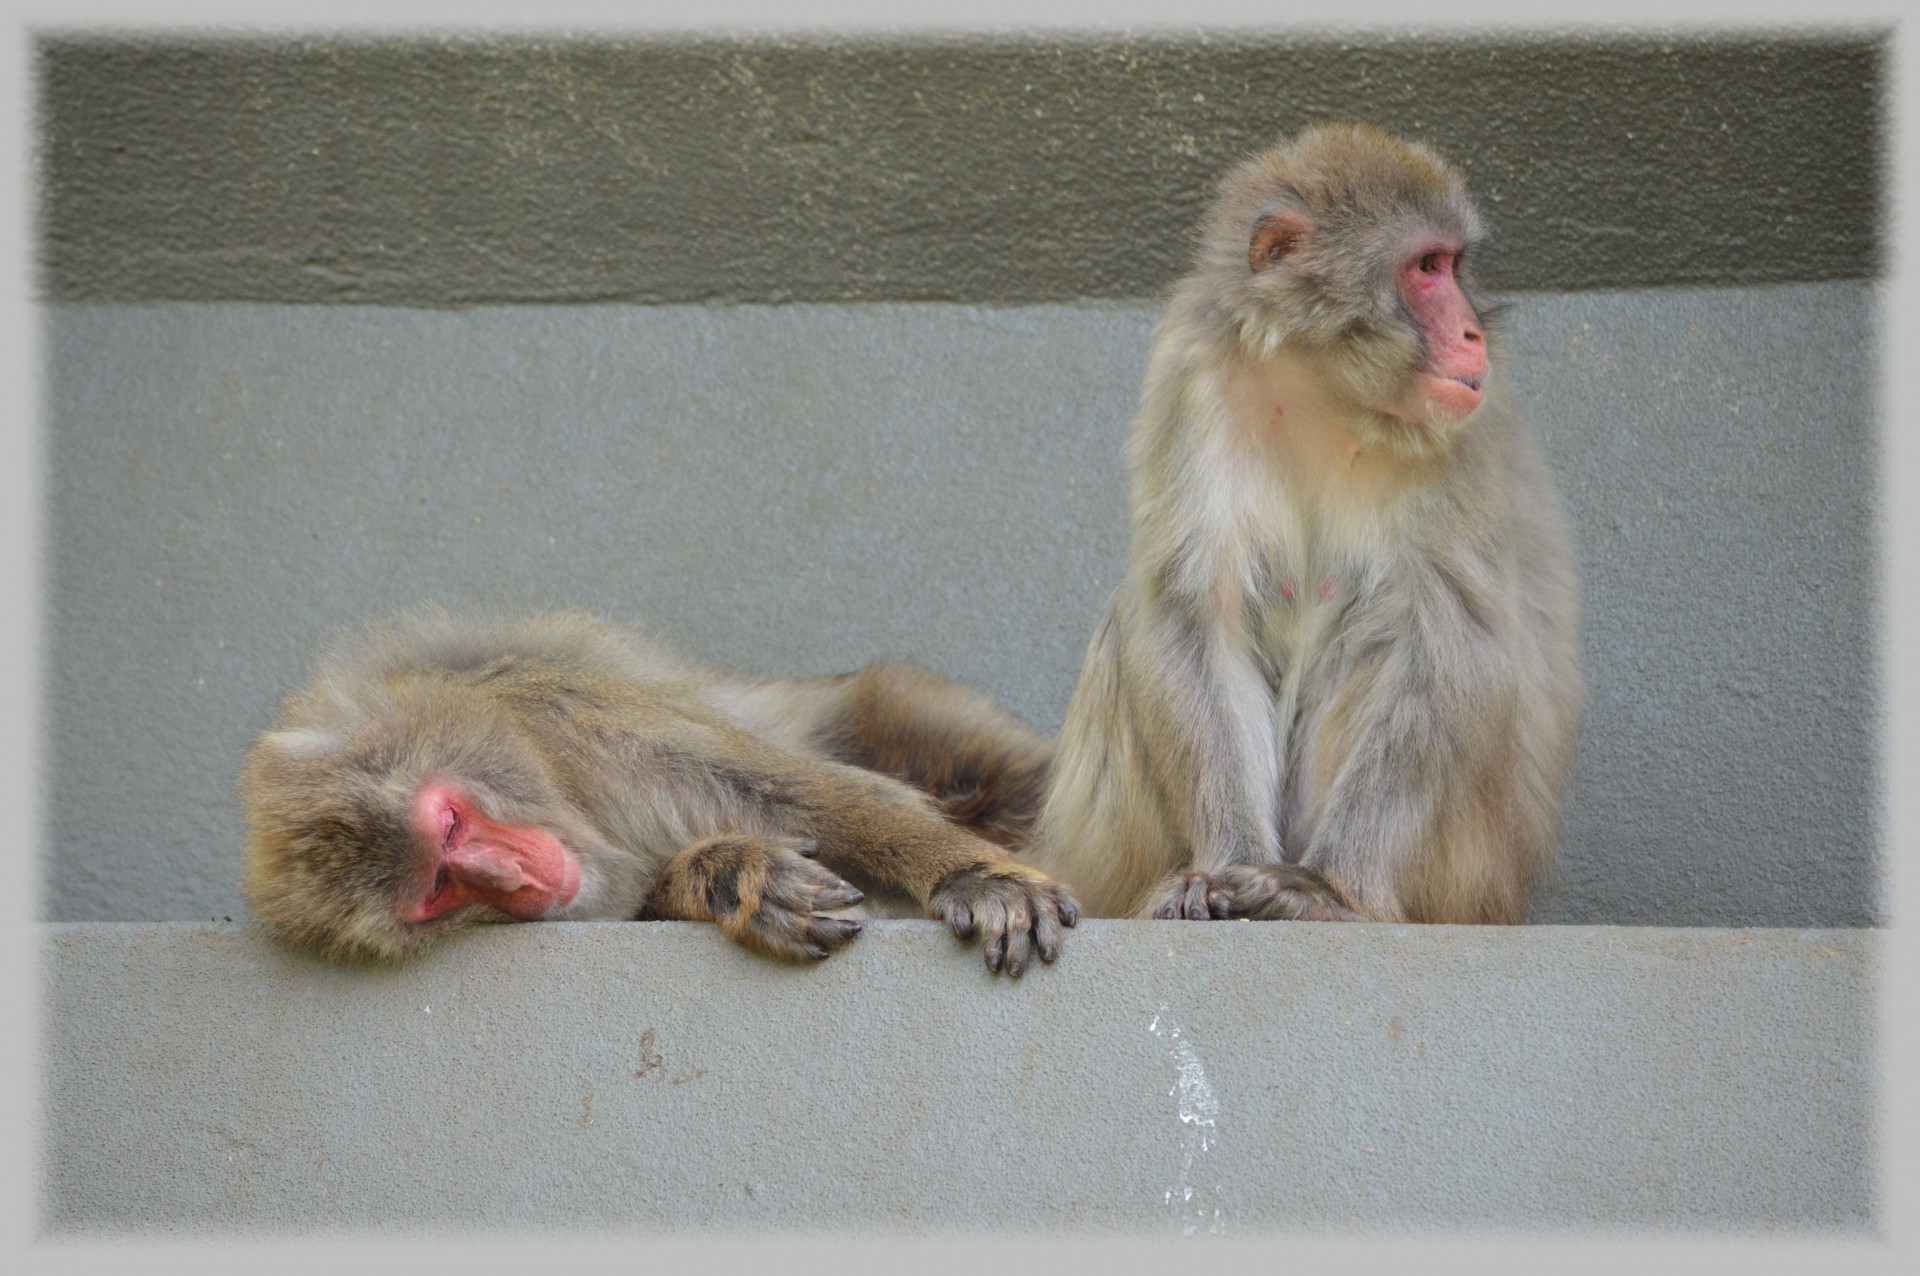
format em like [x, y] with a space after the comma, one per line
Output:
[766, 893]
[1015, 910]
[1283, 892]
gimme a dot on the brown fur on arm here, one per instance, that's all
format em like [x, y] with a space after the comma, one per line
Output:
[889, 833]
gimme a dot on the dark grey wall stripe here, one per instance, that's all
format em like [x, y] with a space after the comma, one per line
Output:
[452, 171]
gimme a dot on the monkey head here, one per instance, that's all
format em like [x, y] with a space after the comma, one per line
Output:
[385, 813]
[1349, 245]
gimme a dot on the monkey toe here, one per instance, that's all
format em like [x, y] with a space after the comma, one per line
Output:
[1284, 892]
[1194, 897]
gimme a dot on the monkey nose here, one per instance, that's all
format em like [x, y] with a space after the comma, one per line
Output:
[487, 868]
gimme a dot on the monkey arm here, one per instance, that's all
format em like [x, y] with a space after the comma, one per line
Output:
[890, 834]
[1213, 752]
[1211, 756]
[884, 830]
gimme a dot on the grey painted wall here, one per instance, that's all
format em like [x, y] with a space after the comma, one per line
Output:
[459, 170]
[806, 488]
[201, 1081]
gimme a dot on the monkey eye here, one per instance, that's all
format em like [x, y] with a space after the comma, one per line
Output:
[1430, 263]
[436, 891]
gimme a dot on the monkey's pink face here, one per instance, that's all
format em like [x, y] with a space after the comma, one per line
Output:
[1452, 383]
[520, 869]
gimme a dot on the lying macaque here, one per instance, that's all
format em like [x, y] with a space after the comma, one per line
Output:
[440, 772]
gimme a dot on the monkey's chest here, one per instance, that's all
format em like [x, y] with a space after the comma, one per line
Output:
[1298, 611]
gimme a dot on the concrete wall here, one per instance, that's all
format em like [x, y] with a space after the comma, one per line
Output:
[807, 487]
[803, 489]
[1162, 1078]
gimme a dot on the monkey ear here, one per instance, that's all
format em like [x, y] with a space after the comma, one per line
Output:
[1274, 236]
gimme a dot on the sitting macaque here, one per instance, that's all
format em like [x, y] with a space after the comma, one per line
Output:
[440, 772]
[1341, 678]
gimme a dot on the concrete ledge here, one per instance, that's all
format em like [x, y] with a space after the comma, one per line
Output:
[454, 171]
[1161, 1078]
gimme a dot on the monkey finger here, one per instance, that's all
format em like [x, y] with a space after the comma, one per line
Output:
[960, 918]
[1067, 906]
[839, 895]
[1046, 933]
[793, 881]
[832, 932]
[791, 935]
[1019, 944]
[993, 940]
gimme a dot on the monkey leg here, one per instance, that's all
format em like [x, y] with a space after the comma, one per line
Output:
[1258, 892]
[985, 767]
[765, 893]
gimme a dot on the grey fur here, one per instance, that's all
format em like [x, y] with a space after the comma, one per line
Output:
[1348, 641]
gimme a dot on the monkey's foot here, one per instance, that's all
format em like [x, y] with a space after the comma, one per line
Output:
[1283, 892]
[1194, 897]
[766, 893]
[1015, 910]
[1257, 892]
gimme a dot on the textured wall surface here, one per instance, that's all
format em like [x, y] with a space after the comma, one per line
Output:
[803, 489]
[445, 172]
[1162, 1077]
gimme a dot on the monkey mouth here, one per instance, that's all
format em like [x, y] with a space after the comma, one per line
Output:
[1472, 383]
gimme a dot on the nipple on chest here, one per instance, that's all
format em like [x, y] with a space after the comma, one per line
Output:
[1325, 589]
